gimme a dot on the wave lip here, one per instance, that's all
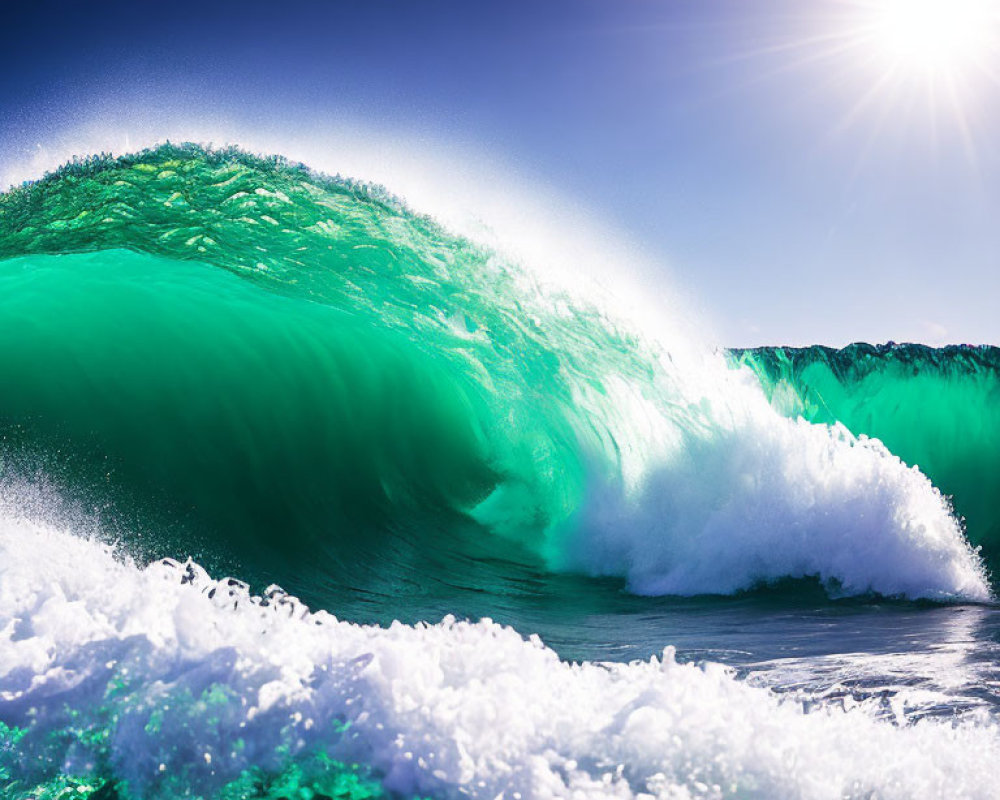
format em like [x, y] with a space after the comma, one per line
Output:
[165, 683]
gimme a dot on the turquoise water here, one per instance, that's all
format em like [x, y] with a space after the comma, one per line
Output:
[220, 364]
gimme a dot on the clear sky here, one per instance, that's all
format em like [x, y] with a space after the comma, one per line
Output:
[813, 171]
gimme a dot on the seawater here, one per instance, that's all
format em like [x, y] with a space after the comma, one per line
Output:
[524, 549]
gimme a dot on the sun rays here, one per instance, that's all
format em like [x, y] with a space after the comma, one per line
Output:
[894, 69]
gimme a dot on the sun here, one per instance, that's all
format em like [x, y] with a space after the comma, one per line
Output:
[934, 35]
[907, 70]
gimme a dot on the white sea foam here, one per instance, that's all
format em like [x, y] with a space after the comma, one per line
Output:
[718, 493]
[192, 690]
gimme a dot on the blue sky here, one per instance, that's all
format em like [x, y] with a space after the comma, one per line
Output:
[764, 156]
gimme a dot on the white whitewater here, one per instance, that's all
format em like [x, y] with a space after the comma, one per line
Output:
[193, 689]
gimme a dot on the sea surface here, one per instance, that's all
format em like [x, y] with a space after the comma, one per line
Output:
[304, 496]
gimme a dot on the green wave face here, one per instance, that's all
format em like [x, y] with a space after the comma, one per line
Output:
[256, 357]
[936, 408]
[246, 412]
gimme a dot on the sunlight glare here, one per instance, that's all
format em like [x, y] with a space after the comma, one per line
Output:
[934, 35]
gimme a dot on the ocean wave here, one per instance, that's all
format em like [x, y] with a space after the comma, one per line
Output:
[253, 362]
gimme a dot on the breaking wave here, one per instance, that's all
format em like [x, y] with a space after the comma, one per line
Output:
[278, 372]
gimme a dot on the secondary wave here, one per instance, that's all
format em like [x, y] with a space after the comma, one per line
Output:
[933, 407]
[262, 365]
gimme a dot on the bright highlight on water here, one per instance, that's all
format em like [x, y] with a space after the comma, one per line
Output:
[245, 368]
